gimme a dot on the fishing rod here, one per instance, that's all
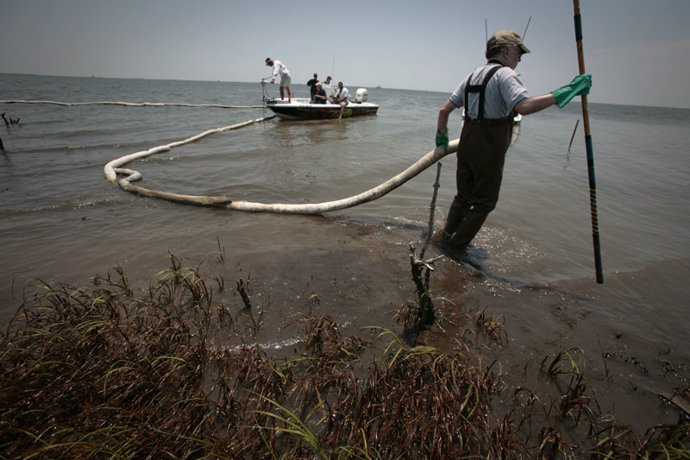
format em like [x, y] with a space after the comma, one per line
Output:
[590, 148]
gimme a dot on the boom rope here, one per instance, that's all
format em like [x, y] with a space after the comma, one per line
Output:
[131, 104]
[114, 167]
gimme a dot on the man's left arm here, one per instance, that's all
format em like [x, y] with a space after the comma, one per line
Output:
[535, 104]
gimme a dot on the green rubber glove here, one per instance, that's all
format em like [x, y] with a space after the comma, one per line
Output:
[442, 140]
[579, 86]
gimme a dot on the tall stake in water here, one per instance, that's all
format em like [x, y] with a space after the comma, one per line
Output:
[590, 149]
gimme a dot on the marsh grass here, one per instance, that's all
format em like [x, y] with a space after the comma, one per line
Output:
[103, 372]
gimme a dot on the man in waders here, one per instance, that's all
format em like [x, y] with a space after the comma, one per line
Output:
[491, 95]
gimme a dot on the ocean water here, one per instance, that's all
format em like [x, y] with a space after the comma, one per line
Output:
[533, 263]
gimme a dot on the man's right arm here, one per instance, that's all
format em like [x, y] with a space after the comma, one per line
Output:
[443, 115]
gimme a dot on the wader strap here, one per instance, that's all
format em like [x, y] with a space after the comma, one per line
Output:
[478, 89]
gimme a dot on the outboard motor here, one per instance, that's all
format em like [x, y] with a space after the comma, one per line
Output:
[361, 96]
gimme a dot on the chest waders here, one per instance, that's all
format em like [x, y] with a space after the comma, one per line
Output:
[481, 156]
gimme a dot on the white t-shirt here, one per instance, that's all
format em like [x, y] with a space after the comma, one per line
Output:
[342, 94]
[329, 89]
[280, 69]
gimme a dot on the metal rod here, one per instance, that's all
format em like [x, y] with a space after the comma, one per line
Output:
[590, 149]
[572, 138]
[524, 34]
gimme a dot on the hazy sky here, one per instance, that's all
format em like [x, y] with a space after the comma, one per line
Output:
[638, 51]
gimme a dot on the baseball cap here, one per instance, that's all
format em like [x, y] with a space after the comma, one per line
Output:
[505, 38]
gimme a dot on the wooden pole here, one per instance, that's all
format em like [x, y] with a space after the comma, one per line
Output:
[590, 149]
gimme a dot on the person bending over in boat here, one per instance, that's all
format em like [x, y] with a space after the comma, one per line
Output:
[490, 95]
[320, 96]
[280, 69]
[342, 98]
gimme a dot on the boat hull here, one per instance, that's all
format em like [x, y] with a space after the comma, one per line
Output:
[304, 110]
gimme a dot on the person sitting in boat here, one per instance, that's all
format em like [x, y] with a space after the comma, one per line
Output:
[320, 97]
[342, 98]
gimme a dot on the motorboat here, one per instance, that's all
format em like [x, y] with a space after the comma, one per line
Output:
[304, 109]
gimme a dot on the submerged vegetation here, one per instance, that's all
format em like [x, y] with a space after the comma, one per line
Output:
[106, 372]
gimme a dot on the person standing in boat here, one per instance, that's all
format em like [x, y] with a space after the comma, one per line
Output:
[328, 86]
[280, 69]
[490, 95]
[320, 96]
[312, 86]
[342, 98]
